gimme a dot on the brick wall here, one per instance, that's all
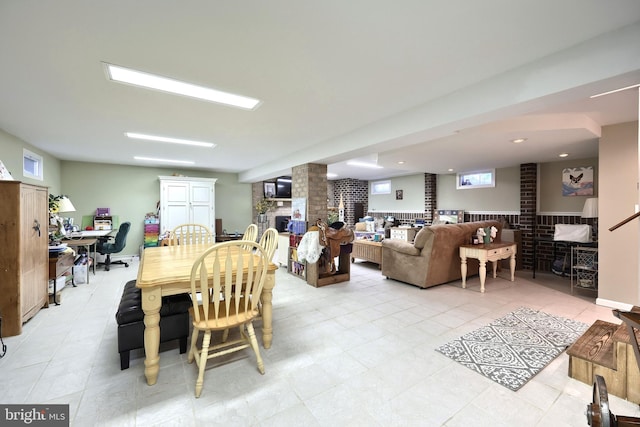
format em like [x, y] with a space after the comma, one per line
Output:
[352, 191]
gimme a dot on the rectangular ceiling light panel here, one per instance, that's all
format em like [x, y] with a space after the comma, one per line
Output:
[167, 139]
[164, 84]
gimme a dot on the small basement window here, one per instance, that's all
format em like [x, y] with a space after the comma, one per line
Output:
[381, 187]
[32, 165]
[478, 179]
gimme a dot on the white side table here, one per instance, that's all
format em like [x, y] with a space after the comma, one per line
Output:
[493, 252]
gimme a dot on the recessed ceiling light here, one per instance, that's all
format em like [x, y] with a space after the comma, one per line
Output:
[401, 162]
[166, 139]
[151, 159]
[614, 91]
[450, 170]
[164, 84]
[563, 155]
[518, 140]
[364, 165]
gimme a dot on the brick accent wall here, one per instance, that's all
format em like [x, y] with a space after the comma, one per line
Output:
[528, 203]
[430, 196]
[352, 191]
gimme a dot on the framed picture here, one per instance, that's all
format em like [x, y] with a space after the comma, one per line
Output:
[399, 194]
[577, 181]
[269, 190]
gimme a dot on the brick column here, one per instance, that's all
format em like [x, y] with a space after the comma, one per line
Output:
[430, 196]
[528, 218]
[310, 182]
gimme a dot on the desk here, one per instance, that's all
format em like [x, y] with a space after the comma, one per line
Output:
[488, 252]
[166, 270]
[86, 243]
[59, 263]
[89, 233]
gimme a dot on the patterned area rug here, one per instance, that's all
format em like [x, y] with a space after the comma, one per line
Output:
[514, 348]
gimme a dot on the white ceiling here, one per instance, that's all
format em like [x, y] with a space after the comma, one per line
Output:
[436, 84]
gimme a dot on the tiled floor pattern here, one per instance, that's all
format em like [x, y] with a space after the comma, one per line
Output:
[351, 354]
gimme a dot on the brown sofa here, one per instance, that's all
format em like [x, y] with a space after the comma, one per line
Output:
[433, 258]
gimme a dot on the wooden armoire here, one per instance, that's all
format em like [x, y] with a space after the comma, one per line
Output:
[24, 253]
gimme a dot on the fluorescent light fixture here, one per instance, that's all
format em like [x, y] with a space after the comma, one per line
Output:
[166, 139]
[615, 90]
[332, 175]
[165, 84]
[364, 165]
[151, 159]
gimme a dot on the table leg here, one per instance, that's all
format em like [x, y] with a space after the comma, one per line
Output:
[88, 252]
[483, 274]
[495, 269]
[151, 303]
[463, 270]
[512, 266]
[267, 309]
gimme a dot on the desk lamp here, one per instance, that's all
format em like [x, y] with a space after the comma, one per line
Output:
[590, 210]
[65, 205]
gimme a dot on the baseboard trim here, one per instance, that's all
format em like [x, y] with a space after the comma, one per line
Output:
[614, 304]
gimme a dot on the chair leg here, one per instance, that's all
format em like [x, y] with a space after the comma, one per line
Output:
[107, 262]
[124, 360]
[225, 335]
[193, 350]
[254, 345]
[204, 353]
[183, 345]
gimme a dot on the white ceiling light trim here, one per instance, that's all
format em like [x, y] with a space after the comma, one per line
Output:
[364, 165]
[614, 91]
[151, 81]
[167, 139]
[151, 159]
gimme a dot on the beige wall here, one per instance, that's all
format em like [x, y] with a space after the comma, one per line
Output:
[618, 250]
[550, 198]
[504, 197]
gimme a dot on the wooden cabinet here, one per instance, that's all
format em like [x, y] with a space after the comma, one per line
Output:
[404, 233]
[185, 200]
[24, 254]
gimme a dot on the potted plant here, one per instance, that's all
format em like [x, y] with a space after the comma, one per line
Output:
[263, 206]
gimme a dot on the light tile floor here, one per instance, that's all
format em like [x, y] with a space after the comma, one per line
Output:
[360, 353]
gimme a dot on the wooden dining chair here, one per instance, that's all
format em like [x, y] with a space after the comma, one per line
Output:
[251, 233]
[189, 234]
[229, 281]
[269, 242]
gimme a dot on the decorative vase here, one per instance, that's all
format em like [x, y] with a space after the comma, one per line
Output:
[262, 218]
[487, 236]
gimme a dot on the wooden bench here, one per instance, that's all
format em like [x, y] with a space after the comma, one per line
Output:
[605, 349]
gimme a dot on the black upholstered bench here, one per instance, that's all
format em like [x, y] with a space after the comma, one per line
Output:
[174, 321]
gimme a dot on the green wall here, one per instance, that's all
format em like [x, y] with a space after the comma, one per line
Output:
[132, 191]
[412, 187]
[11, 151]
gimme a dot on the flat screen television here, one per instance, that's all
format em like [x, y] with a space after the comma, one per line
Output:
[283, 187]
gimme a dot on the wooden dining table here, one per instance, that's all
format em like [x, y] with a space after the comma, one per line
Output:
[166, 270]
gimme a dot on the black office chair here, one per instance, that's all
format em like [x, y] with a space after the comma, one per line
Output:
[108, 247]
